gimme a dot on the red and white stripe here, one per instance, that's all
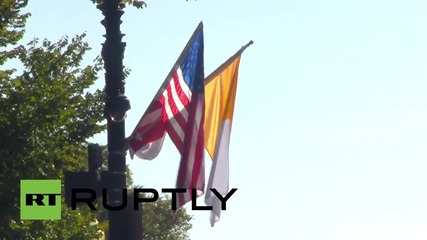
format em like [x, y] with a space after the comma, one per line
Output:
[191, 172]
[148, 138]
[183, 114]
[175, 101]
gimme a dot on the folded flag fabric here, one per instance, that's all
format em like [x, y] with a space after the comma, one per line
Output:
[178, 109]
[220, 95]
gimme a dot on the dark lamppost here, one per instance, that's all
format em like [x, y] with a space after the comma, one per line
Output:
[116, 105]
[125, 223]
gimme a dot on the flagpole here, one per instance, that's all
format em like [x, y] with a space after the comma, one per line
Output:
[168, 78]
[226, 63]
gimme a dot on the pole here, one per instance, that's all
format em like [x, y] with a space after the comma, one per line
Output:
[116, 105]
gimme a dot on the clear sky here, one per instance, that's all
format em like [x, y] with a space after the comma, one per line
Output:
[330, 129]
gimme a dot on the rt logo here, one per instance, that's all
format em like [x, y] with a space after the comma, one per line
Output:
[40, 199]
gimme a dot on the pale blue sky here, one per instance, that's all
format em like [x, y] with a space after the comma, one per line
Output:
[330, 129]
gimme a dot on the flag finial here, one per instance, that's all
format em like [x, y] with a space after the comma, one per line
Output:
[247, 45]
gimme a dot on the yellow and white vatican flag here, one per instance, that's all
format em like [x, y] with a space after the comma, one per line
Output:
[220, 95]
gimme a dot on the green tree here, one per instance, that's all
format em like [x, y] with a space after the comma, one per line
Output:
[46, 117]
[135, 3]
[12, 21]
[159, 222]
[12, 28]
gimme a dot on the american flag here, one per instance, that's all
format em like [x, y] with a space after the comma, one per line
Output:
[178, 109]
